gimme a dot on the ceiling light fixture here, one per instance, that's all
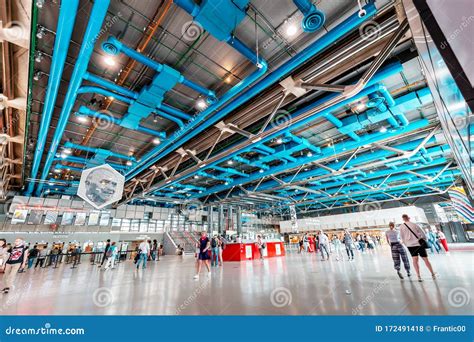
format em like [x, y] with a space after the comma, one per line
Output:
[201, 104]
[383, 129]
[83, 119]
[230, 162]
[291, 30]
[156, 141]
[129, 163]
[109, 61]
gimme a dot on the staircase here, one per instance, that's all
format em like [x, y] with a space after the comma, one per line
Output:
[184, 239]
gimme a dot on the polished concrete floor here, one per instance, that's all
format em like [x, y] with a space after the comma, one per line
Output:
[292, 285]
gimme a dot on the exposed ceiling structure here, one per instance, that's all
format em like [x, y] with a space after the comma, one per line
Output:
[262, 104]
[14, 65]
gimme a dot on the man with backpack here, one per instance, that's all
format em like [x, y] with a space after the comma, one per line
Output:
[107, 246]
[215, 251]
[110, 256]
[32, 255]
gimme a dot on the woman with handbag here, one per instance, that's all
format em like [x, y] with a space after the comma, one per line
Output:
[415, 239]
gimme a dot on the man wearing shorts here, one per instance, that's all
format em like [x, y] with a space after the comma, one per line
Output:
[410, 233]
[203, 256]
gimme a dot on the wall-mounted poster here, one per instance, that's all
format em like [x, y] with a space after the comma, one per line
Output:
[19, 216]
[51, 217]
[35, 217]
[104, 219]
[101, 186]
[277, 249]
[93, 219]
[80, 219]
[116, 222]
[67, 219]
[248, 252]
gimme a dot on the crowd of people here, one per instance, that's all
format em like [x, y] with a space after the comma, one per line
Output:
[18, 257]
[407, 236]
[209, 249]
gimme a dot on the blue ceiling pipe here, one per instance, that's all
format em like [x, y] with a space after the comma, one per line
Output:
[313, 18]
[375, 196]
[170, 117]
[364, 158]
[71, 145]
[97, 16]
[327, 152]
[316, 47]
[443, 180]
[377, 178]
[371, 87]
[105, 92]
[67, 167]
[84, 111]
[113, 46]
[80, 160]
[129, 95]
[110, 85]
[67, 17]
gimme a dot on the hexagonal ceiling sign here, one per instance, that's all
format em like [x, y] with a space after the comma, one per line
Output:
[100, 186]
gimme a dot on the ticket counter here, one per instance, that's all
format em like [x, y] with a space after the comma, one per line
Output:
[249, 251]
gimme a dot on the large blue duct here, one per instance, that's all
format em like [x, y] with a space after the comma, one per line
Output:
[84, 111]
[99, 11]
[313, 18]
[67, 17]
[210, 116]
[372, 86]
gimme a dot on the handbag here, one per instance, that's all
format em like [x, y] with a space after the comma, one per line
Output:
[421, 241]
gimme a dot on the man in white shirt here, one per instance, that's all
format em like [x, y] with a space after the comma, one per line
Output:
[323, 244]
[144, 250]
[411, 234]
[397, 249]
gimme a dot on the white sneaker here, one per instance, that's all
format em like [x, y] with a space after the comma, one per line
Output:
[196, 277]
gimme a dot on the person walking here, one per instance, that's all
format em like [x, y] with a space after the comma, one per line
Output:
[104, 257]
[337, 246]
[214, 251]
[32, 256]
[144, 252]
[260, 245]
[348, 243]
[305, 242]
[154, 250]
[111, 256]
[16, 260]
[323, 244]
[432, 241]
[397, 249]
[415, 239]
[442, 239]
[3, 253]
[41, 257]
[222, 243]
[203, 247]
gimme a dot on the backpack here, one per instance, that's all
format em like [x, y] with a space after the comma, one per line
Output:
[109, 253]
[213, 243]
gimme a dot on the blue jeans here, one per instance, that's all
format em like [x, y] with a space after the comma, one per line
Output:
[143, 256]
[31, 261]
[434, 245]
[215, 256]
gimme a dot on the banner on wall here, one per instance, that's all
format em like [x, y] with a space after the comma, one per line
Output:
[101, 186]
[461, 204]
[294, 219]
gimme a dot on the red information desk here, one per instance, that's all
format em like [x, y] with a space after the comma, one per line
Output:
[249, 251]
